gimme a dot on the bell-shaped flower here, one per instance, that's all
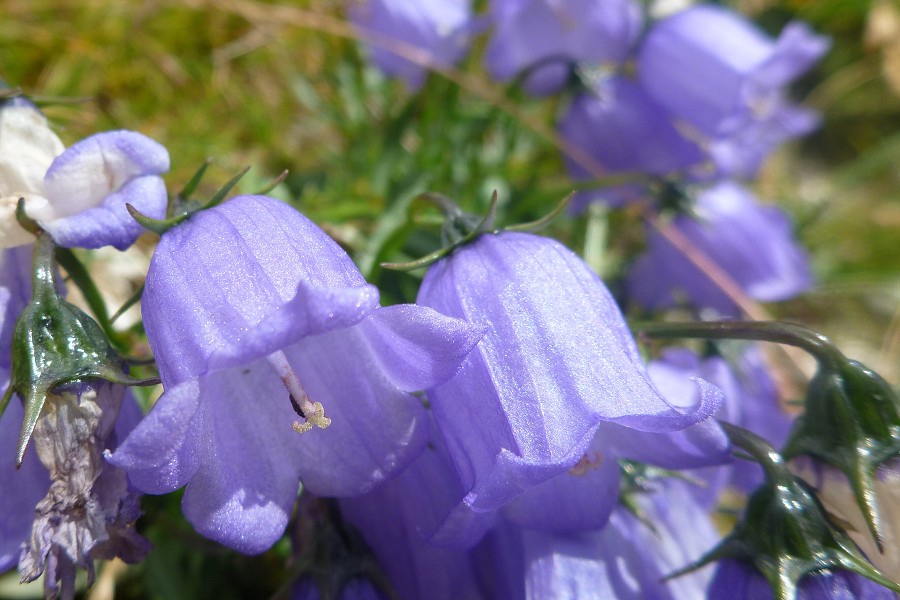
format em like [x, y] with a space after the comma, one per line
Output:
[550, 36]
[716, 72]
[553, 393]
[258, 319]
[740, 581]
[624, 130]
[751, 242]
[439, 30]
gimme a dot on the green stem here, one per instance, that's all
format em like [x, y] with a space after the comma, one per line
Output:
[761, 451]
[766, 331]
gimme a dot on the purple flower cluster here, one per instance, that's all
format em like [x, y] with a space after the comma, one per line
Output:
[698, 96]
[289, 374]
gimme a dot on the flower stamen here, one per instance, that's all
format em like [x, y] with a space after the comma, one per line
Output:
[312, 413]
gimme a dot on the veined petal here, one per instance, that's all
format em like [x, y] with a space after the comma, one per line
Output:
[218, 293]
[416, 346]
[556, 361]
[87, 172]
[162, 453]
[376, 428]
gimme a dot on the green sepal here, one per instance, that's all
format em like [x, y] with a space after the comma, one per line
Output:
[852, 423]
[183, 207]
[55, 342]
[851, 419]
[785, 532]
[460, 228]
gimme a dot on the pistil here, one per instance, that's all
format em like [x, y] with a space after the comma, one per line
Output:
[312, 413]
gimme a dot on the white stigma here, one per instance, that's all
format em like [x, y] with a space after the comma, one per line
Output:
[313, 413]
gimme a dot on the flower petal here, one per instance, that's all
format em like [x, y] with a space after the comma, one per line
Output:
[418, 347]
[87, 172]
[109, 223]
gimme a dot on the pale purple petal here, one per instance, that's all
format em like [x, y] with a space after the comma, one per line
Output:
[376, 428]
[394, 520]
[109, 223]
[247, 477]
[714, 69]
[556, 361]
[624, 130]
[87, 172]
[161, 453]
[418, 347]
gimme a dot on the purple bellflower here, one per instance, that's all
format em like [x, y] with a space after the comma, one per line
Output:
[554, 393]
[625, 131]
[752, 243]
[256, 317]
[737, 580]
[550, 35]
[717, 73]
[441, 29]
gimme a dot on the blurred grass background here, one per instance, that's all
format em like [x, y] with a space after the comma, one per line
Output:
[230, 81]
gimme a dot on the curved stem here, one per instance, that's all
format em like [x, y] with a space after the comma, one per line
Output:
[766, 331]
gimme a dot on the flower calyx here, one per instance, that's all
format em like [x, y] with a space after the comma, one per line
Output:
[182, 206]
[460, 227]
[55, 342]
[785, 532]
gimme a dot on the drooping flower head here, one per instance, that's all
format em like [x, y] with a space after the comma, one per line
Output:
[553, 393]
[262, 328]
[551, 35]
[716, 72]
[752, 243]
[439, 29]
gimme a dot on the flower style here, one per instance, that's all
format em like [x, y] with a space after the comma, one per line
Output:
[717, 73]
[553, 393]
[256, 317]
[752, 243]
[553, 34]
[440, 29]
[77, 195]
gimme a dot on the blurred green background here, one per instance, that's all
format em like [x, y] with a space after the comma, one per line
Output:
[283, 87]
